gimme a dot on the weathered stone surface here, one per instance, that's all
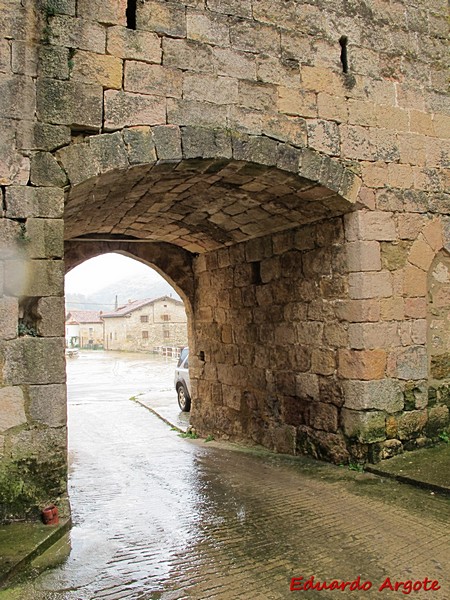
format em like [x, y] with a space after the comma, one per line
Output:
[168, 142]
[9, 318]
[109, 151]
[79, 162]
[46, 172]
[135, 45]
[54, 62]
[410, 424]
[23, 202]
[438, 420]
[152, 79]
[412, 363]
[18, 96]
[440, 366]
[162, 17]
[140, 145]
[42, 136]
[384, 394]
[12, 408]
[366, 427]
[45, 238]
[97, 69]
[35, 361]
[110, 13]
[34, 278]
[14, 168]
[78, 33]
[50, 317]
[126, 109]
[48, 404]
[70, 103]
[205, 143]
[362, 364]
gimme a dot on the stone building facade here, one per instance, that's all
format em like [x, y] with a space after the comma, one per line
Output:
[282, 163]
[143, 325]
[84, 329]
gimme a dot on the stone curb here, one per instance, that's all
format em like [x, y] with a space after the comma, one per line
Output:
[425, 485]
[53, 536]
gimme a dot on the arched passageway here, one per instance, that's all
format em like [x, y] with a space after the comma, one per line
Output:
[252, 237]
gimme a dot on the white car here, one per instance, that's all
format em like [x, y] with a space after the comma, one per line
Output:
[182, 381]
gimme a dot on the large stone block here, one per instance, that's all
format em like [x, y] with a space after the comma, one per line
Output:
[41, 136]
[123, 109]
[14, 167]
[79, 162]
[70, 103]
[46, 172]
[34, 278]
[168, 142]
[12, 408]
[376, 284]
[48, 404]
[50, 313]
[362, 364]
[187, 55]
[168, 18]
[32, 360]
[218, 90]
[109, 151]
[104, 70]
[18, 94]
[152, 79]
[23, 202]
[411, 423]
[139, 144]
[46, 238]
[366, 427]
[54, 62]
[208, 28]
[384, 394]
[205, 143]
[109, 13]
[201, 114]
[410, 363]
[9, 317]
[135, 45]
[238, 8]
[75, 32]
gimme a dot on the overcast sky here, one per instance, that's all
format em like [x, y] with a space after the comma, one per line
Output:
[98, 272]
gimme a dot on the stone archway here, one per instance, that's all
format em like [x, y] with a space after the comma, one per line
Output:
[231, 219]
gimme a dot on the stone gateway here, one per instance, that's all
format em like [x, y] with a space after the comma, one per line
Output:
[282, 164]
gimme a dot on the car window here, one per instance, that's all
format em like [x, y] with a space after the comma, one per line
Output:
[186, 364]
[183, 355]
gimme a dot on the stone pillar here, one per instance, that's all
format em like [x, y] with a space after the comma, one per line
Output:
[32, 378]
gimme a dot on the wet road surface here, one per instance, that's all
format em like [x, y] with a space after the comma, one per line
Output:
[161, 517]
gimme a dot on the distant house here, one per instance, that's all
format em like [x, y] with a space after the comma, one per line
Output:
[84, 329]
[146, 324]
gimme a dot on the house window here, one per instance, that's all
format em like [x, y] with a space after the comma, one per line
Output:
[145, 335]
[115, 335]
[144, 318]
[166, 334]
[91, 332]
[110, 336]
[165, 317]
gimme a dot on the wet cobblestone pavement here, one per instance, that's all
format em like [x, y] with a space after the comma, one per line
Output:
[161, 517]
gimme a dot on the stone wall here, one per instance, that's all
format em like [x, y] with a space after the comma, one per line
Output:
[198, 127]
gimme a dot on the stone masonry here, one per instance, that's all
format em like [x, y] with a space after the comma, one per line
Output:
[282, 163]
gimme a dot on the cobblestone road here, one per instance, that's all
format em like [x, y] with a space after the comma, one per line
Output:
[160, 517]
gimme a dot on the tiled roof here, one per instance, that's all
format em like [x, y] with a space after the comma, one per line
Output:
[126, 309]
[84, 316]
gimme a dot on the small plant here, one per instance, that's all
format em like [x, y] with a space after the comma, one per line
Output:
[209, 438]
[355, 467]
[445, 437]
[22, 235]
[191, 435]
[25, 329]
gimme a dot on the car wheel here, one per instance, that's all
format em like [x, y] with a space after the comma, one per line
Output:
[184, 402]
